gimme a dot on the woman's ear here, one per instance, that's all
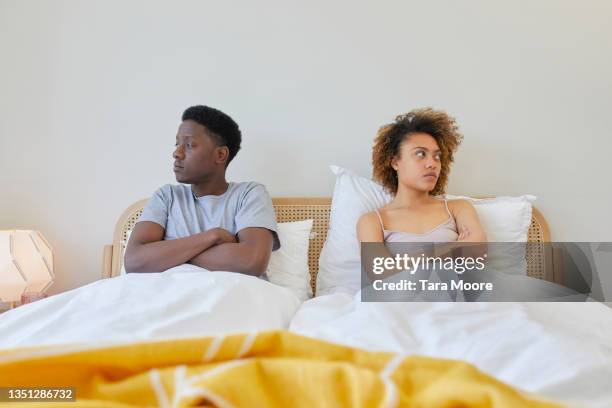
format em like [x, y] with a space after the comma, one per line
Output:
[394, 164]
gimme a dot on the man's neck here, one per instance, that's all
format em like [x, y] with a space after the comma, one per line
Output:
[215, 186]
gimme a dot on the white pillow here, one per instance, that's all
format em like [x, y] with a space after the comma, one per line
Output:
[288, 266]
[506, 220]
[503, 218]
[340, 263]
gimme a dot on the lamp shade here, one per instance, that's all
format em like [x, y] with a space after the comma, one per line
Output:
[26, 264]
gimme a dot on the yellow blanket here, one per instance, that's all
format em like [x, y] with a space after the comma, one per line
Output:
[267, 369]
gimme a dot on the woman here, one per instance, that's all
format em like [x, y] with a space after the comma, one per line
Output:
[411, 159]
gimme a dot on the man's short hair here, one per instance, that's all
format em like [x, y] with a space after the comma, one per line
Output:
[219, 125]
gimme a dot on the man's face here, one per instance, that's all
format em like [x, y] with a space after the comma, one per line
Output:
[197, 155]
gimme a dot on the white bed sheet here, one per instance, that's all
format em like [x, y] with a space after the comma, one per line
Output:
[562, 351]
[181, 302]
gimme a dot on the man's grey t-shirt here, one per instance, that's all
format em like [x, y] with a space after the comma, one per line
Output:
[181, 213]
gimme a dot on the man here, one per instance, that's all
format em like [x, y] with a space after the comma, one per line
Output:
[206, 221]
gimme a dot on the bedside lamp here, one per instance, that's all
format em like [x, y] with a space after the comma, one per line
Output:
[26, 265]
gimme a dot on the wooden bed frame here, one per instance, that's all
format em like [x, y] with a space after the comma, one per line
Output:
[539, 257]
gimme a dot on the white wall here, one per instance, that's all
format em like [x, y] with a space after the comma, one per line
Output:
[91, 94]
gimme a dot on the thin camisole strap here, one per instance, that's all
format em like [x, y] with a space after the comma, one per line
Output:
[380, 219]
[446, 205]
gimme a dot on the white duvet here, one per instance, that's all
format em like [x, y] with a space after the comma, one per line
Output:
[183, 301]
[562, 351]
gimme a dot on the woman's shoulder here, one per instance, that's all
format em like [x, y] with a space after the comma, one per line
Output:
[454, 200]
[457, 205]
[458, 202]
[369, 228]
[369, 217]
[370, 221]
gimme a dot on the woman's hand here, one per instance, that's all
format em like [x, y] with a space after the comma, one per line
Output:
[464, 234]
[468, 223]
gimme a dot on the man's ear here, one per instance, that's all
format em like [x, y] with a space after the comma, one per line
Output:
[221, 154]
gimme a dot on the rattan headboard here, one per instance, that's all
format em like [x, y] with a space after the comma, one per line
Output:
[539, 263]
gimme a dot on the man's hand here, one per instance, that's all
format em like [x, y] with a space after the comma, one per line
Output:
[250, 255]
[222, 236]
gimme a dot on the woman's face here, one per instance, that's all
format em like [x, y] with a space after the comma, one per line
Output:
[418, 163]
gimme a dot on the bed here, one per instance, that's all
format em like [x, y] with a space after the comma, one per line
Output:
[551, 358]
[555, 351]
[540, 259]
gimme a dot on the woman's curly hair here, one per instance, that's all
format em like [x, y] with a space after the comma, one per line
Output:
[438, 124]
